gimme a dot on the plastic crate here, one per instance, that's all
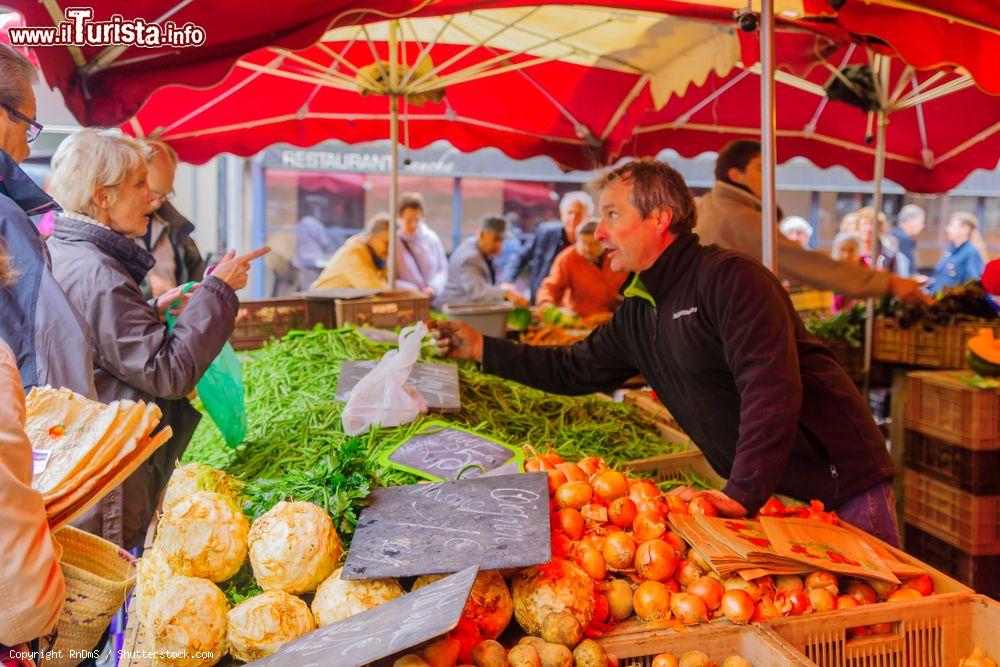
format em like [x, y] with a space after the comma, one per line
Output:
[674, 466]
[941, 404]
[937, 631]
[969, 522]
[982, 573]
[808, 300]
[383, 311]
[975, 471]
[892, 343]
[718, 640]
[260, 321]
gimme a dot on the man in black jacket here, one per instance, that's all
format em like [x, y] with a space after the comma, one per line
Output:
[550, 239]
[716, 336]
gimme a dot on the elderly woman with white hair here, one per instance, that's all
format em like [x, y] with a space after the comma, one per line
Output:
[100, 180]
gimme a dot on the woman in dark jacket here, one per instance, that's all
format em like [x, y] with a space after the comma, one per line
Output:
[100, 181]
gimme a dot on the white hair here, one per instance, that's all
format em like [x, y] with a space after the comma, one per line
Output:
[88, 159]
[794, 223]
[571, 198]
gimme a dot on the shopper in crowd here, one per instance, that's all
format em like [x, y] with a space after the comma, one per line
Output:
[473, 275]
[360, 262]
[420, 257]
[729, 215]
[50, 339]
[797, 230]
[716, 336]
[847, 249]
[550, 239]
[963, 260]
[32, 588]
[849, 223]
[582, 280]
[313, 247]
[513, 244]
[100, 180]
[909, 223]
[168, 238]
[890, 259]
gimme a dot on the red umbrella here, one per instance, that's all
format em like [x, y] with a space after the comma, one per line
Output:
[929, 34]
[940, 127]
[106, 85]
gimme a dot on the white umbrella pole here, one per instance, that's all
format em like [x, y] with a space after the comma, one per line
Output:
[768, 134]
[880, 121]
[394, 140]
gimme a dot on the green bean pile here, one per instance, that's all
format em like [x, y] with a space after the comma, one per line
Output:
[294, 420]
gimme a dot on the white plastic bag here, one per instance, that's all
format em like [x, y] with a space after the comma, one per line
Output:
[384, 397]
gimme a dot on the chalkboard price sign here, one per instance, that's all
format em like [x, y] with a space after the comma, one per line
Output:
[437, 383]
[493, 522]
[380, 632]
[442, 452]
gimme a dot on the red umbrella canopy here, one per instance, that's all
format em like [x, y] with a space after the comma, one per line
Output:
[106, 85]
[940, 126]
[933, 33]
[495, 77]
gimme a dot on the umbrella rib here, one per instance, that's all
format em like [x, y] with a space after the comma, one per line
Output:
[684, 117]
[56, 13]
[112, 53]
[504, 27]
[953, 86]
[623, 107]
[469, 72]
[455, 79]
[426, 50]
[810, 127]
[348, 64]
[921, 125]
[326, 72]
[305, 78]
[966, 144]
[371, 47]
[901, 85]
[781, 133]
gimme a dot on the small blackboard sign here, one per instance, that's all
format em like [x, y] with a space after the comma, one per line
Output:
[389, 628]
[441, 451]
[437, 383]
[493, 522]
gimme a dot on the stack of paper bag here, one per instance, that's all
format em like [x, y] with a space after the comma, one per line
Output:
[773, 546]
[83, 449]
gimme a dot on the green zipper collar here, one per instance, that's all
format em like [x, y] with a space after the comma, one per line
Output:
[636, 288]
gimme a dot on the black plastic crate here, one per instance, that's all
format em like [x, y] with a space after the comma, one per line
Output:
[981, 573]
[975, 471]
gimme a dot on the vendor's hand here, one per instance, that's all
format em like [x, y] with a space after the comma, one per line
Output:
[165, 300]
[457, 340]
[233, 270]
[429, 292]
[907, 291]
[516, 299]
[724, 505]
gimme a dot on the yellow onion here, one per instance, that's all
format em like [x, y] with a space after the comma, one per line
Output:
[204, 535]
[293, 547]
[490, 605]
[337, 599]
[555, 586]
[186, 625]
[261, 625]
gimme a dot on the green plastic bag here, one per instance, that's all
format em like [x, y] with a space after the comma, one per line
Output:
[221, 390]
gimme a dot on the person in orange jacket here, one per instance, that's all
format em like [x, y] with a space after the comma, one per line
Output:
[581, 279]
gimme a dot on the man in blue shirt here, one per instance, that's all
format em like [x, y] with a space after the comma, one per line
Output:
[962, 260]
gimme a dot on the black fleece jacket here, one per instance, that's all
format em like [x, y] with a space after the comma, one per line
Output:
[716, 336]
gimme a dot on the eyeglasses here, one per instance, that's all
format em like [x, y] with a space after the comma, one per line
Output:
[34, 127]
[163, 196]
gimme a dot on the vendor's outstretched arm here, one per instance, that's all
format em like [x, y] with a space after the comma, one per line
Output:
[599, 363]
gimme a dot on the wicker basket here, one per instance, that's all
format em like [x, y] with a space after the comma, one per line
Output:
[99, 576]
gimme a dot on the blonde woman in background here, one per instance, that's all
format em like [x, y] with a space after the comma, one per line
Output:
[965, 257]
[890, 259]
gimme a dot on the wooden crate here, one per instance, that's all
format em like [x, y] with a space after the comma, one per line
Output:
[645, 400]
[969, 522]
[383, 311]
[981, 573]
[975, 471]
[942, 405]
[673, 466]
[935, 632]
[892, 343]
[718, 640]
[851, 359]
[259, 321]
